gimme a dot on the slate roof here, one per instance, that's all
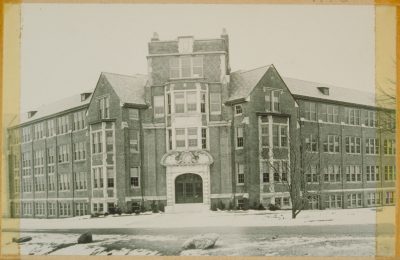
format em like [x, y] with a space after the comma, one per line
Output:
[130, 89]
[243, 82]
[55, 107]
[310, 89]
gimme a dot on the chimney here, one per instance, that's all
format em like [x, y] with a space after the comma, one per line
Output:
[31, 113]
[155, 37]
[224, 35]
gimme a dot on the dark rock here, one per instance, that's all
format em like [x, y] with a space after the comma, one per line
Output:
[85, 238]
[21, 239]
[204, 241]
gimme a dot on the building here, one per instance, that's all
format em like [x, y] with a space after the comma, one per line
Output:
[192, 133]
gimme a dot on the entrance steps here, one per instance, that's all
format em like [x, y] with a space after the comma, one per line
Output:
[187, 208]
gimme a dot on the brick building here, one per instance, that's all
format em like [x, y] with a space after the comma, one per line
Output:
[192, 133]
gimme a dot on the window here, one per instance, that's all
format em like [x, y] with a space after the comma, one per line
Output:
[265, 171]
[374, 199]
[158, 106]
[334, 201]
[179, 102]
[331, 144]
[329, 113]
[51, 181]
[63, 182]
[353, 173]
[275, 101]
[79, 120]
[80, 180]
[109, 141]
[390, 173]
[169, 104]
[332, 173]
[97, 142]
[310, 111]
[170, 139]
[79, 151]
[372, 173]
[239, 137]
[63, 124]
[51, 129]
[134, 177]
[180, 139]
[372, 146]
[268, 103]
[26, 134]
[191, 101]
[104, 107]
[352, 116]
[133, 114]
[203, 102]
[186, 67]
[354, 200]
[80, 208]
[264, 131]
[192, 137]
[133, 141]
[389, 198]
[389, 147]
[277, 177]
[311, 143]
[215, 103]
[38, 132]
[204, 138]
[110, 178]
[312, 174]
[353, 144]
[238, 110]
[279, 135]
[370, 119]
[98, 177]
[284, 170]
[63, 153]
[240, 173]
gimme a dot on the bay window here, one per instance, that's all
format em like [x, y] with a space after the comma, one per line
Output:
[186, 67]
[215, 103]
[158, 106]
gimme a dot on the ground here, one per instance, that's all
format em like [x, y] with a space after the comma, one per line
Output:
[319, 233]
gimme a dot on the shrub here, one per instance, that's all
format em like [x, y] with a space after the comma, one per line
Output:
[161, 207]
[106, 214]
[261, 207]
[221, 205]
[273, 207]
[142, 208]
[154, 207]
[213, 207]
[230, 205]
[137, 212]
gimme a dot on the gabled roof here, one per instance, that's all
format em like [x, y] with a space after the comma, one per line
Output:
[130, 89]
[55, 107]
[243, 82]
[310, 89]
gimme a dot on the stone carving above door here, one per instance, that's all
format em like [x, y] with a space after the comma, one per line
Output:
[185, 158]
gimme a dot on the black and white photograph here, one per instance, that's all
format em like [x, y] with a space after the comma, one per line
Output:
[201, 130]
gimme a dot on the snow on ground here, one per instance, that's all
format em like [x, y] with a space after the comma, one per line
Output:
[249, 218]
[65, 244]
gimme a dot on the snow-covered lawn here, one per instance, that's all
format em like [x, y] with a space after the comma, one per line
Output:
[249, 218]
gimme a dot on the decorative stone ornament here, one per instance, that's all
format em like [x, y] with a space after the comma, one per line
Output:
[185, 158]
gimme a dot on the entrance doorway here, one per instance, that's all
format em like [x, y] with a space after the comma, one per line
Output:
[188, 188]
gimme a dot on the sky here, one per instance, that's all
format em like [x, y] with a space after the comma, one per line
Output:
[65, 47]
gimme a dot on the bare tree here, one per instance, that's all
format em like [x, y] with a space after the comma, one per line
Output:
[300, 176]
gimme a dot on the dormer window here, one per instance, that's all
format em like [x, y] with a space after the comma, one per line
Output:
[31, 113]
[324, 90]
[85, 96]
[185, 44]
[238, 110]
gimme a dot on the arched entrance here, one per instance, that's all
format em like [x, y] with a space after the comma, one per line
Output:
[188, 188]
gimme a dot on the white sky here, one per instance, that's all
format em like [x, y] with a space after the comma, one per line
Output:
[65, 47]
